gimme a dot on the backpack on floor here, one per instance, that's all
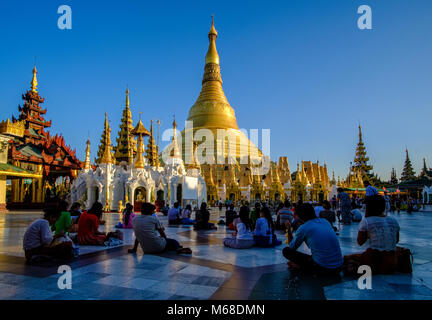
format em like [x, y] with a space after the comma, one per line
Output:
[405, 260]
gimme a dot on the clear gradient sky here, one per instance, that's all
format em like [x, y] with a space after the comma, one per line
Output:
[301, 68]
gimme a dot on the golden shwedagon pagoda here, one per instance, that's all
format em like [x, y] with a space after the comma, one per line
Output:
[236, 181]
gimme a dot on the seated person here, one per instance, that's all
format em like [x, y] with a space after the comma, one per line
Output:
[244, 238]
[150, 234]
[174, 214]
[230, 215]
[370, 190]
[88, 233]
[39, 239]
[285, 215]
[254, 215]
[64, 222]
[356, 215]
[128, 216]
[328, 214]
[186, 214]
[319, 236]
[383, 234]
[318, 208]
[264, 230]
[75, 212]
[165, 210]
[202, 219]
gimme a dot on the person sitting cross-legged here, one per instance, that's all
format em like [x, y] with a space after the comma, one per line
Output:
[174, 214]
[264, 235]
[150, 234]
[328, 214]
[319, 236]
[186, 215]
[128, 216]
[244, 237]
[383, 234]
[40, 241]
[202, 219]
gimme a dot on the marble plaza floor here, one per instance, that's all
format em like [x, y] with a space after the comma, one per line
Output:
[211, 272]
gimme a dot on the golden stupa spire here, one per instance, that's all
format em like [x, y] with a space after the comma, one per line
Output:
[298, 174]
[107, 157]
[276, 175]
[318, 176]
[34, 82]
[212, 110]
[87, 163]
[140, 131]
[305, 179]
[212, 55]
[127, 97]
[151, 152]
[210, 181]
[126, 144]
[175, 153]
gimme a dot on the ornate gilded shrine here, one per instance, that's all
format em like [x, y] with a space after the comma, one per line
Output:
[40, 166]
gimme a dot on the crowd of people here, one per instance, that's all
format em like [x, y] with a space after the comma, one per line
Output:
[60, 230]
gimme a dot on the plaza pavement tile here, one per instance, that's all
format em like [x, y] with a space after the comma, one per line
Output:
[211, 272]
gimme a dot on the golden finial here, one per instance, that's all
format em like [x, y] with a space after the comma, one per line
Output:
[212, 56]
[34, 82]
[212, 28]
[87, 163]
[174, 123]
[158, 124]
[127, 98]
[107, 157]
[175, 152]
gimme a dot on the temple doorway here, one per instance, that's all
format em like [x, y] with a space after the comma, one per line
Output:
[160, 195]
[258, 196]
[321, 197]
[232, 196]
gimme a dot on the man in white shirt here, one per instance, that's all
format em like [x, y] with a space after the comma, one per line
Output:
[39, 239]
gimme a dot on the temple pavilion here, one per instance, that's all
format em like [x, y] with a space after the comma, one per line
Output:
[35, 167]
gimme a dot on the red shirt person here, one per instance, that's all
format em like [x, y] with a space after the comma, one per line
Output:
[88, 224]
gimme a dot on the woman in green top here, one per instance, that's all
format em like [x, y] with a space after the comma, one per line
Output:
[65, 221]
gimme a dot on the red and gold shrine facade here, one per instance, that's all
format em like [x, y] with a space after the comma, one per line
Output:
[39, 167]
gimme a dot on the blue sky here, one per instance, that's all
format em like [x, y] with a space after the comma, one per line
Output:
[301, 68]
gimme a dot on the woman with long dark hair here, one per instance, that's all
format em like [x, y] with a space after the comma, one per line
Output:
[88, 233]
[128, 216]
[202, 219]
[244, 237]
[264, 230]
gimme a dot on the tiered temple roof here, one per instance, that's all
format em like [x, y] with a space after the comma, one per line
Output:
[32, 145]
[126, 145]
